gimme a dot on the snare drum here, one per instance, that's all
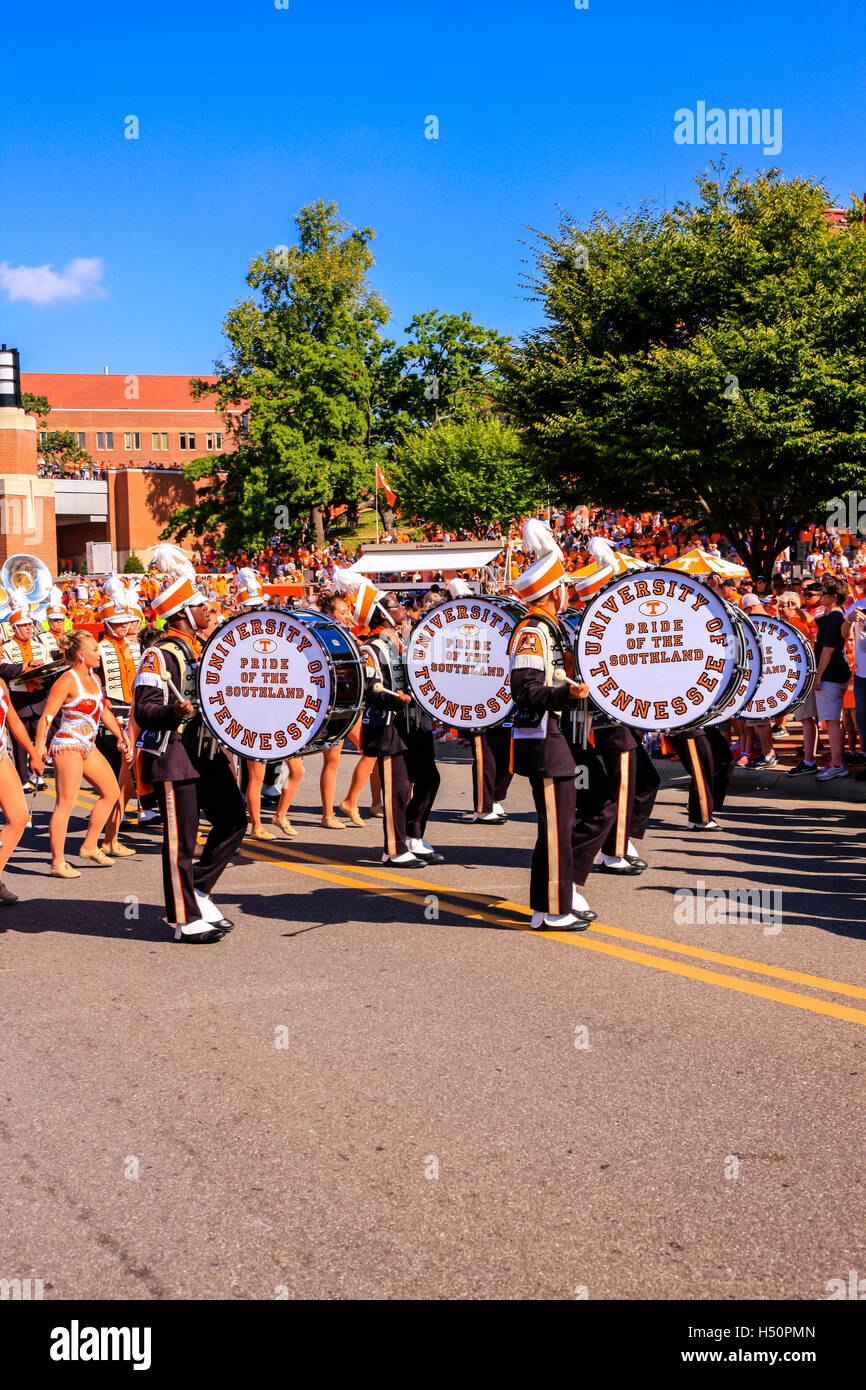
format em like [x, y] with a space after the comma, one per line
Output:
[275, 681]
[787, 674]
[750, 677]
[457, 661]
[659, 651]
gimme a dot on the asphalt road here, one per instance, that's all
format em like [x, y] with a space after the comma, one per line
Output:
[384, 1086]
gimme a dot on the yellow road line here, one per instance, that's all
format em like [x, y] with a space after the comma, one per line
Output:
[756, 967]
[692, 972]
[731, 982]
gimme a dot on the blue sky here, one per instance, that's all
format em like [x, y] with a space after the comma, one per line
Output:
[247, 112]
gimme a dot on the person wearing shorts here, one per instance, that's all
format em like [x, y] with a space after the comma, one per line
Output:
[833, 674]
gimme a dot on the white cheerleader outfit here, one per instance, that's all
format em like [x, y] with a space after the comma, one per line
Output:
[80, 718]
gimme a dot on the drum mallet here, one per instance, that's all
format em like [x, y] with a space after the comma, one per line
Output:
[582, 714]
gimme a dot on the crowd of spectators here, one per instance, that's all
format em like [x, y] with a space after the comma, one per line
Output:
[99, 472]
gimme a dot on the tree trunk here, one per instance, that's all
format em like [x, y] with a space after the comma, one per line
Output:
[388, 520]
[318, 522]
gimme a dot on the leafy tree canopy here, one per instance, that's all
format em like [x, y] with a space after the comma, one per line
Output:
[707, 359]
[468, 473]
[61, 447]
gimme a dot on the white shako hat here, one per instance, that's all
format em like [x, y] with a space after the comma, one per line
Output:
[180, 592]
[55, 603]
[548, 570]
[458, 588]
[20, 611]
[366, 597]
[248, 587]
[116, 606]
[586, 585]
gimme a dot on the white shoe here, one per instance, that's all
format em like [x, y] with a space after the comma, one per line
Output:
[497, 809]
[192, 930]
[614, 861]
[490, 818]
[404, 861]
[710, 825]
[537, 920]
[209, 911]
[630, 849]
[562, 923]
[422, 849]
[578, 901]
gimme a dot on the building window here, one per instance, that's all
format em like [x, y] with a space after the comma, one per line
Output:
[187, 441]
[214, 441]
[164, 438]
[43, 434]
[131, 439]
[154, 440]
[81, 437]
[104, 440]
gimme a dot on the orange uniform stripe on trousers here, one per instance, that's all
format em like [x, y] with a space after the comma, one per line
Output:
[479, 775]
[619, 846]
[552, 847]
[699, 780]
[388, 798]
[171, 831]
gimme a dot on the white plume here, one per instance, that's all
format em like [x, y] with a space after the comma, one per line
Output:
[602, 552]
[458, 588]
[349, 581]
[538, 538]
[247, 579]
[173, 562]
[55, 597]
[114, 589]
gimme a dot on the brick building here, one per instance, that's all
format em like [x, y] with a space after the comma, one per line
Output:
[131, 421]
[141, 429]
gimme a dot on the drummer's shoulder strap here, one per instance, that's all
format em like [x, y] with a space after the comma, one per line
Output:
[531, 645]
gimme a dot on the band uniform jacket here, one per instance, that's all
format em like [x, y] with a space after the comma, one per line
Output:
[385, 723]
[41, 648]
[155, 707]
[119, 659]
[539, 744]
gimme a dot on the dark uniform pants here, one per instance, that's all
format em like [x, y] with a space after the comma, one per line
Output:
[491, 755]
[634, 785]
[410, 781]
[216, 793]
[708, 760]
[29, 709]
[566, 847]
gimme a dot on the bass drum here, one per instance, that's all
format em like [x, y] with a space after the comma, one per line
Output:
[457, 661]
[751, 676]
[276, 681]
[787, 674]
[659, 651]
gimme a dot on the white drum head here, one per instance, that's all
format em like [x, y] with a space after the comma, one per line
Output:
[457, 661]
[658, 650]
[264, 684]
[749, 677]
[788, 669]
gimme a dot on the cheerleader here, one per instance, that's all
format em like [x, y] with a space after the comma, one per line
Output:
[12, 800]
[79, 699]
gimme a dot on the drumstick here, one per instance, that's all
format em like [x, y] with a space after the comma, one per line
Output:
[583, 712]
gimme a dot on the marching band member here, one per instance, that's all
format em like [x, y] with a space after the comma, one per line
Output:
[632, 781]
[564, 849]
[187, 767]
[78, 697]
[335, 606]
[28, 698]
[12, 800]
[250, 594]
[55, 617]
[119, 654]
[394, 730]
[707, 758]
[491, 754]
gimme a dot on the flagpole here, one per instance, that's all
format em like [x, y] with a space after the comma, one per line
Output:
[377, 504]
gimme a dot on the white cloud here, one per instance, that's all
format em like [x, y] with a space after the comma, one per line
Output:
[41, 284]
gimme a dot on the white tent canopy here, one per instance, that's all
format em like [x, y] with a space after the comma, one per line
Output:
[406, 559]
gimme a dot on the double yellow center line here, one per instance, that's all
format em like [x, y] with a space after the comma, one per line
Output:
[478, 907]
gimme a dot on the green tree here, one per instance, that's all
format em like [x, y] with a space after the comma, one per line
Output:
[301, 367]
[61, 447]
[35, 405]
[707, 359]
[468, 473]
[133, 565]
